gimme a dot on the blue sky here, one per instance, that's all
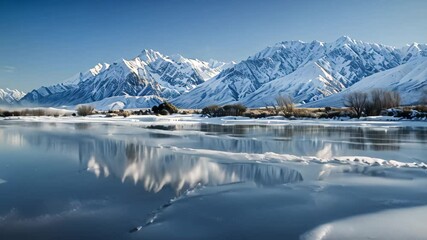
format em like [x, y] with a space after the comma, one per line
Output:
[46, 41]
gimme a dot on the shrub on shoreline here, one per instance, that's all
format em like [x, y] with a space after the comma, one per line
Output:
[164, 108]
[226, 110]
[32, 112]
[84, 110]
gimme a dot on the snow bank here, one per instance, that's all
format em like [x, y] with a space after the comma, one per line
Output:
[274, 157]
[366, 226]
[128, 102]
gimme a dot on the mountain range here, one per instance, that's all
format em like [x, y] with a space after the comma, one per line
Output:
[150, 74]
[313, 73]
[10, 97]
[309, 72]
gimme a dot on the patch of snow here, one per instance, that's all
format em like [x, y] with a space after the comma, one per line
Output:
[366, 226]
[126, 102]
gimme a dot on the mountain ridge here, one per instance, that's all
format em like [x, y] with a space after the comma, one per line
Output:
[330, 68]
[307, 71]
[10, 96]
[149, 73]
[410, 78]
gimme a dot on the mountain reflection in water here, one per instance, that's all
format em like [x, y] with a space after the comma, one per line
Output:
[154, 167]
[139, 154]
[157, 167]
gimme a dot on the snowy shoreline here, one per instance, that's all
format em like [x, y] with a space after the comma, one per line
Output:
[191, 119]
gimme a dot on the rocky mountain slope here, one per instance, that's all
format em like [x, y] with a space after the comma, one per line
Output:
[149, 74]
[312, 73]
[10, 97]
[409, 79]
[306, 71]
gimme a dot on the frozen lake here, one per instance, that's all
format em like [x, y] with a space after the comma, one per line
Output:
[207, 181]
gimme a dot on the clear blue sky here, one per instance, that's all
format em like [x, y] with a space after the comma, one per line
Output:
[46, 41]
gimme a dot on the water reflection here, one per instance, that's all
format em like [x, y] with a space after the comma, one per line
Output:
[309, 140]
[82, 126]
[297, 140]
[138, 154]
[377, 140]
[154, 167]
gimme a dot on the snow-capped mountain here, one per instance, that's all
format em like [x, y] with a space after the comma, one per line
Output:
[44, 95]
[10, 97]
[149, 74]
[305, 71]
[409, 79]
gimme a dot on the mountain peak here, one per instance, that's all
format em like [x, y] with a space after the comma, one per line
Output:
[413, 45]
[345, 40]
[98, 68]
[288, 43]
[10, 96]
[292, 42]
[213, 63]
[177, 58]
[317, 43]
[149, 55]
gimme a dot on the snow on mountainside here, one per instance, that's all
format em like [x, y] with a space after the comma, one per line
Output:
[36, 96]
[80, 77]
[306, 71]
[129, 102]
[10, 97]
[409, 79]
[318, 82]
[150, 73]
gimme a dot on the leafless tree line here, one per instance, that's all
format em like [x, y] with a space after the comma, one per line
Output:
[372, 103]
[357, 101]
[381, 99]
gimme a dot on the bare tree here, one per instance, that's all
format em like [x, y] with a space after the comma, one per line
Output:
[382, 99]
[84, 110]
[391, 99]
[377, 101]
[357, 101]
[285, 103]
[397, 100]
